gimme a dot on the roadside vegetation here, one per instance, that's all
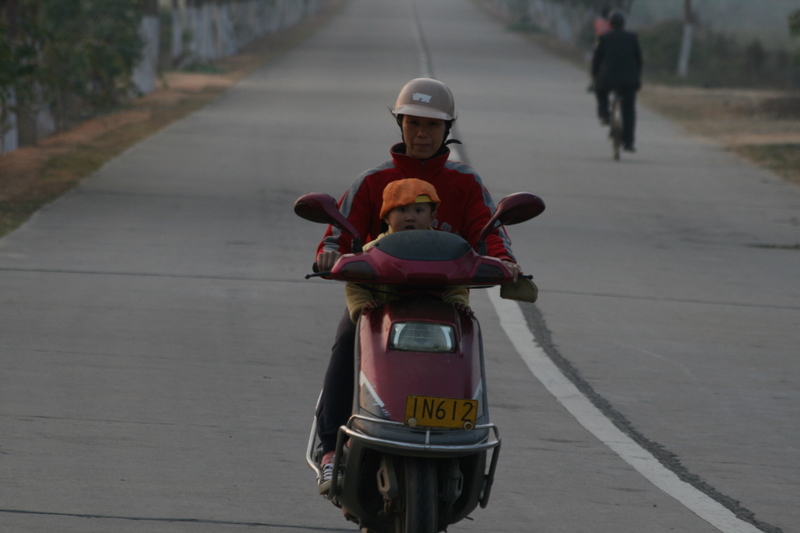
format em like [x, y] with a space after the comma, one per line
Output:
[741, 94]
[758, 120]
[717, 60]
[37, 174]
[71, 57]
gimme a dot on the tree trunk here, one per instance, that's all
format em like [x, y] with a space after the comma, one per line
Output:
[9, 139]
[145, 73]
[686, 42]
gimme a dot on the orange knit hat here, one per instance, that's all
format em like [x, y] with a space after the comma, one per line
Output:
[408, 191]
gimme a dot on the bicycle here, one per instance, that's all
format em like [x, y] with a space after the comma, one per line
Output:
[615, 124]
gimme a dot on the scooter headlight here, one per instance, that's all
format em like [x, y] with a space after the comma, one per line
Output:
[422, 337]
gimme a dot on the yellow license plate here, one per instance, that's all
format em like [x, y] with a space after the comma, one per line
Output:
[451, 413]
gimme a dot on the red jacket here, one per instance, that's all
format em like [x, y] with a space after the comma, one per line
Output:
[465, 208]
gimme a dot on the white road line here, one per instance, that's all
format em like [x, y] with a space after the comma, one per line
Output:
[576, 403]
[592, 419]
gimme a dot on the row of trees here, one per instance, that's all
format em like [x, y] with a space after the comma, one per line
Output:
[709, 56]
[688, 30]
[684, 48]
[205, 30]
[64, 60]
[60, 61]
[70, 54]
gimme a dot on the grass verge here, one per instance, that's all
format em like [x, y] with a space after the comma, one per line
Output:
[782, 159]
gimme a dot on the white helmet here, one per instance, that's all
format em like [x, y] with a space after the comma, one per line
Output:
[426, 97]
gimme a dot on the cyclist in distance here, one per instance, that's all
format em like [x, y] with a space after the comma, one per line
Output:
[617, 66]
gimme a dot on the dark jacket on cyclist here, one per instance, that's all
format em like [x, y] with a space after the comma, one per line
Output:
[617, 66]
[617, 61]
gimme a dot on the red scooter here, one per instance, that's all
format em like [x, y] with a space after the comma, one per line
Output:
[419, 452]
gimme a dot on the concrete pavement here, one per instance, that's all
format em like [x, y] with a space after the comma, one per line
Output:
[160, 353]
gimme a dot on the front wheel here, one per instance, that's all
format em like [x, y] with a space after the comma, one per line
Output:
[421, 499]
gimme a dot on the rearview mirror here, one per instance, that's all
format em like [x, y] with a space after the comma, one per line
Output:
[513, 209]
[322, 208]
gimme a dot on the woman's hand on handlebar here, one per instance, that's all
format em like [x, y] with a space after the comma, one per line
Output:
[326, 260]
[465, 309]
[370, 305]
[515, 269]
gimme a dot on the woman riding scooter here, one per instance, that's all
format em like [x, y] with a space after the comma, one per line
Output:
[425, 112]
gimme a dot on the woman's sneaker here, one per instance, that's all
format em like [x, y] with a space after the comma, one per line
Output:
[326, 466]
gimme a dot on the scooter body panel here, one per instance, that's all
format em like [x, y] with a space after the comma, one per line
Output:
[416, 347]
[377, 433]
[390, 374]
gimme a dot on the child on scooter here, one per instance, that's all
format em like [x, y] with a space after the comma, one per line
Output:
[407, 204]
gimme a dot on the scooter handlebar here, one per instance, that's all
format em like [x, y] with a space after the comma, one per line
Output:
[317, 273]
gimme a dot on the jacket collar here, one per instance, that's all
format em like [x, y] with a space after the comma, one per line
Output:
[419, 168]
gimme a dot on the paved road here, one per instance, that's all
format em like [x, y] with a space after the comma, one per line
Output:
[160, 353]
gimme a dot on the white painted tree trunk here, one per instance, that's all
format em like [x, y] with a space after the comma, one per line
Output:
[686, 42]
[226, 33]
[9, 138]
[201, 28]
[177, 33]
[686, 50]
[208, 53]
[146, 72]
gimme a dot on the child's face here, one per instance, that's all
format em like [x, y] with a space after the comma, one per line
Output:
[411, 216]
